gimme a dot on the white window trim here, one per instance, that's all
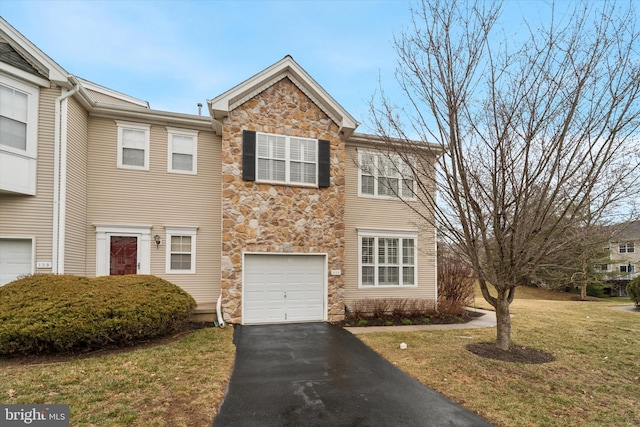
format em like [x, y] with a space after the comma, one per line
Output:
[180, 231]
[33, 95]
[627, 246]
[171, 132]
[626, 267]
[399, 234]
[287, 160]
[377, 155]
[134, 126]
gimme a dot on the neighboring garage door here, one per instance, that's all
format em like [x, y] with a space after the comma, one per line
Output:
[283, 288]
[15, 259]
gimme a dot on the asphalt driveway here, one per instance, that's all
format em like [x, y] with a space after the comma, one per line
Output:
[317, 374]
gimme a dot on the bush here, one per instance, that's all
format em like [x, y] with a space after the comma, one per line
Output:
[455, 283]
[595, 290]
[633, 290]
[64, 313]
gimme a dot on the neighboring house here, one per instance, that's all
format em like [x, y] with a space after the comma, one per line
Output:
[261, 201]
[624, 257]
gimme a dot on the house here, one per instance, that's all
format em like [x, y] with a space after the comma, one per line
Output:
[624, 257]
[263, 201]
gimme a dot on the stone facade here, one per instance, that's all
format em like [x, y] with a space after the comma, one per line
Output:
[280, 218]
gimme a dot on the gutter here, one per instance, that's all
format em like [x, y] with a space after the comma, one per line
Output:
[60, 178]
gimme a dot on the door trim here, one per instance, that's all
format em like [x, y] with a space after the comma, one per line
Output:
[103, 245]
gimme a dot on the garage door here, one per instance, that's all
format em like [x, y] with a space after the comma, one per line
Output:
[283, 288]
[15, 259]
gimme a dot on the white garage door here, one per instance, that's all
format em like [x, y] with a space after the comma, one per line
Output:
[15, 259]
[283, 288]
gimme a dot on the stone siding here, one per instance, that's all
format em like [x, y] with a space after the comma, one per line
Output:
[280, 218]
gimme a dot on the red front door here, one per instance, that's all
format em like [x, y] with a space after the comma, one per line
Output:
[124, 255]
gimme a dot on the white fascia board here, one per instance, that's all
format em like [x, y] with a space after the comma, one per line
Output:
[23, 75]
[110, 92]
[33, 54]
[220, 106]
[135, 114]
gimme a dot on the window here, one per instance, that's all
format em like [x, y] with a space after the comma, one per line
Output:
[601, 267]
[385, 176]
[181, 249]
[626, 247]
[133, 146]
[18, 117]
[182, 153]
[18, 136]
[287, 159]
[627, 268]
[387, 259]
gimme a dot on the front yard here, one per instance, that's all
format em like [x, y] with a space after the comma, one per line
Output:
[594, 381]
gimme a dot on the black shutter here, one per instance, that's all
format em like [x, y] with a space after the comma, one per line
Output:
[248, 155]
[324, 163]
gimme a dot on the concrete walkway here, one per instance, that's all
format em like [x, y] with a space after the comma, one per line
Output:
[486, 321]
[631, 308]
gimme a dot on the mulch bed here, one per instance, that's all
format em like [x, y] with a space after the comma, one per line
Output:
[394, 320]
[515, 354]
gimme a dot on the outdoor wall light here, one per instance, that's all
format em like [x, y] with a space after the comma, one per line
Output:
[157, 240]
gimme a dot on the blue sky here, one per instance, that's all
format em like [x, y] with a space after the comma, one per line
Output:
[175, 54]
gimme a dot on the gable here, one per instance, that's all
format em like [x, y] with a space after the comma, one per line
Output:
[286, 68]
[8, 55]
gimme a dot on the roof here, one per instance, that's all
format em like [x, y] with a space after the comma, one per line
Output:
[627, 231]
[32, 55]
[221, 105]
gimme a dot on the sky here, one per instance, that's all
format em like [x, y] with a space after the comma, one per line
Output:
[175, 54]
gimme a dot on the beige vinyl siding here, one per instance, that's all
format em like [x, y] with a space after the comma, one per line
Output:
[387, 215]
[160, 199]
[75, 261]
[32, 216]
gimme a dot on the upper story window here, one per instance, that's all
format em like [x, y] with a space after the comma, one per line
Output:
[182, 152]
[387, 259]
[384, 176]
[626, 248]
[18, 117]
[133, 145]
[281, 159]
[286, 159]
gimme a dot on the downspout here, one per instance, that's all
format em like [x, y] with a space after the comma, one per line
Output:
[60, 179]
[219, 311]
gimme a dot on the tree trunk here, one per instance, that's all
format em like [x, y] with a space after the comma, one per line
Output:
[503, 318]
[583, 292]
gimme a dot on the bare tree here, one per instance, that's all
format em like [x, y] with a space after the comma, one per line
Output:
[531, 138]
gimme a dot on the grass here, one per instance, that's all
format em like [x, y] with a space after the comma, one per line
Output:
[594, 381]
[181, 383]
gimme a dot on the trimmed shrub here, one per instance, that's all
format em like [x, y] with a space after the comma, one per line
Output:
[64, 313]
[633, 290]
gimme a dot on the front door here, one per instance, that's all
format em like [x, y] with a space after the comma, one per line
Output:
[123, 257]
